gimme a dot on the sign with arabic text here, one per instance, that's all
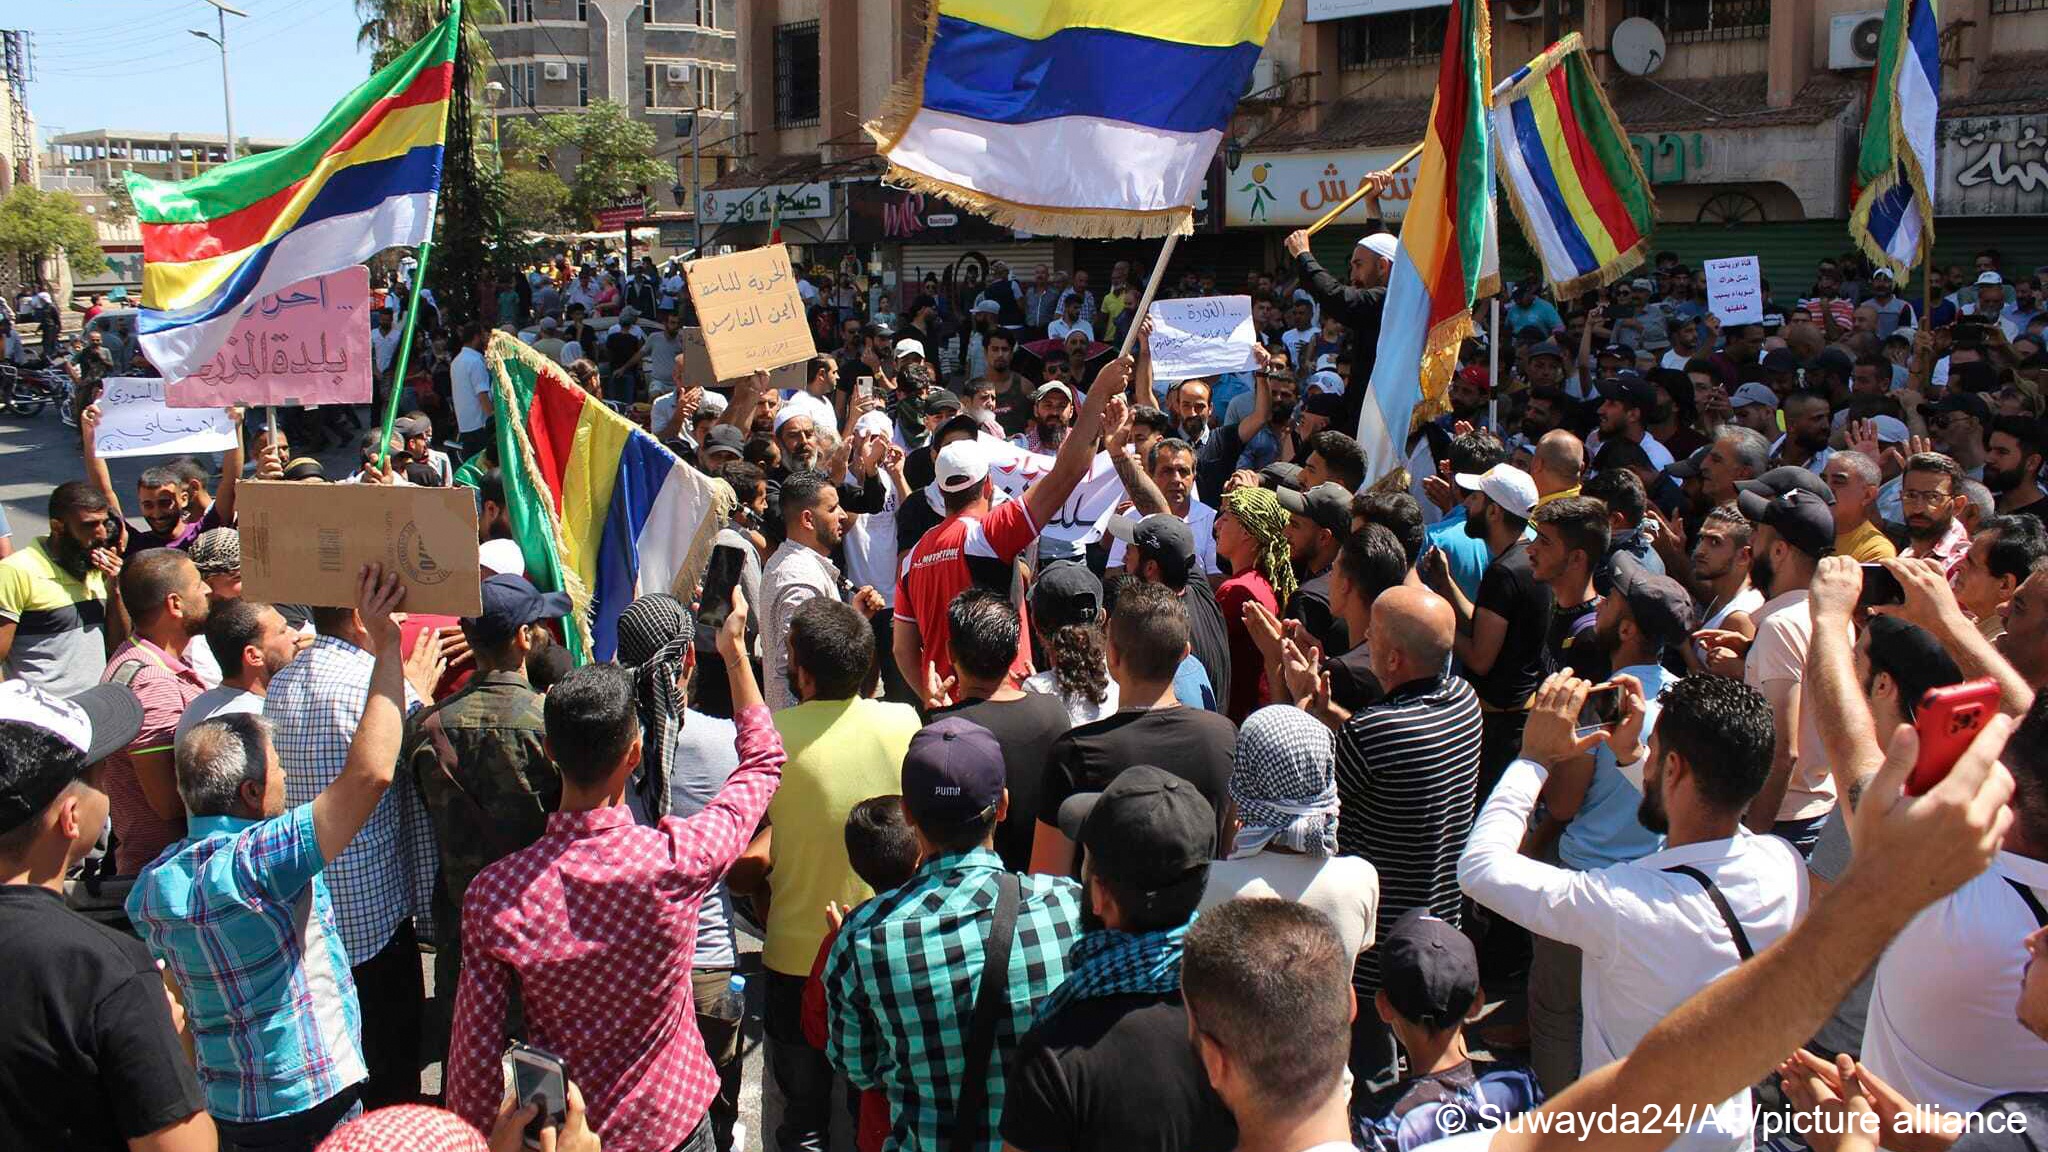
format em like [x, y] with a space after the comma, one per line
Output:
[759, 205]
[1992, 166]
[749, 311]
[308, 344]
[1282, 189]
[1735, 289]
[620, 213]
[697, 371]
[1202, 336]
[135, 421]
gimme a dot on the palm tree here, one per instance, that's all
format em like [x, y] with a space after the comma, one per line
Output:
[391, 26]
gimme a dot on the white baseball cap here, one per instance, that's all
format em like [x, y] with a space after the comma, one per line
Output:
[1505, 485]
[1381, 244]
[1326, 381]
[99, 721]
[1890, 429]
[871, 424]
[502, 557]
[961, 465]
[1984, 278]
[908, 347]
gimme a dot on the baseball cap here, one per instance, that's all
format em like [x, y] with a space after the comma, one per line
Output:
[97, 723]
[1505, 485]
[725, 438]
[960, 465]
[872, 424]
[1620, 452]
[1688, 466]
[217, 550]
[1280, 474]
[1643, 284]
[411, 426]
[1380, 244]
[1329, 505]
[1753, 393]
[1890, 429]
[988, 307]
[1883, 271]
[1780, 360]
[953, 771]
[1968, 403]
[1660, 605]
[304, 468]
[1834, 358]
[502, 557]
[941, 400]
[1547, 348]
[1988, 277]
[1050, 387]
[1324, 381]
[1627, 386]
[713, 404]
[1326, 360]
[1065, 593]
[1787, 478]
[885, 331]
[908, 347]
[1149, 831]
[1799, 518]
[628, 315]
[510, 601]
[548, 324]
[1429, 970]
[1161, 537]
[1620, 352]
[1328, 405]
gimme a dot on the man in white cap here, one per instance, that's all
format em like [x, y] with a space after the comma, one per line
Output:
[1051, 406]
[1359, 305]
[1990, 303]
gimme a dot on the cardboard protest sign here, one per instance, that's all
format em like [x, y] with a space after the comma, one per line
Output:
[309, 344]
[134, 421]
[1735, 290]
[1204, 336]
[307, 543]
[751, 315]
[698, 373]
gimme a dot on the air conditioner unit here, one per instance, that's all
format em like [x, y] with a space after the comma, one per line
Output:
[1265, 73]
[1853, 38]
[1523, 10]
[678, 73]
[554, 71]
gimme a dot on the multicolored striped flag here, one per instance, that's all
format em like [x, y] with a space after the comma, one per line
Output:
[1072, 117]
[601, 509]
[1893, 221]
[1576, 185]
[1449, 250]
[364, 180]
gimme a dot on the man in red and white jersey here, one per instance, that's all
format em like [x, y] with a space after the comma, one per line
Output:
[977, 544]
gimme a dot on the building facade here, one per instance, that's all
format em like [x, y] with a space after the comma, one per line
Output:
[105, 153]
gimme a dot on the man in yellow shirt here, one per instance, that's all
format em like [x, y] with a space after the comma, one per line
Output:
[1854, 480]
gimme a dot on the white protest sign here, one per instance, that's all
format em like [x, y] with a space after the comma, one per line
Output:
[134, 421]
[1205, 336]
[1735, 290]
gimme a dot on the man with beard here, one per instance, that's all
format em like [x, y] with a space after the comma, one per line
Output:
[1807, 429]
[1956, 423]
[56, 596]
[1052, 407]
[1720, 575]
[814, 523]
[1013, 389]
[1931, 493]
[1626, 404]
[1652, 930]
[171, 496]
[797, 434]
[1543, 413]
[1359, 304]
[250, 642]
[1570, 544]
[1190, 405]
[2013, 452]
[1755, 406]
[167, 603]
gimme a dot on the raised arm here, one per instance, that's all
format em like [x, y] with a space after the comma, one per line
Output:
[1931, 604]
[230, 473]
[1077, 451]
[1840, 714]
[341, 810]
[1145, 495]
[1262, 404]
[96, 468]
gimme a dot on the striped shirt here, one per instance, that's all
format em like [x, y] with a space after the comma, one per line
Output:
[1407, 774]
[164, 685]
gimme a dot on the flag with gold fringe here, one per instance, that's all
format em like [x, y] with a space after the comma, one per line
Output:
[1893, 221]
[1448, 254]
[1072, 117]
[1576, 185]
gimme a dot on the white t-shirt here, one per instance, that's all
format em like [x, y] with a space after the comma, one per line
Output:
[470, 379]
[1201, 522]
[1344, 888]
[1746, 601]
[1078, 711]
[1058, 329]
[1784, 632]
[217, 701]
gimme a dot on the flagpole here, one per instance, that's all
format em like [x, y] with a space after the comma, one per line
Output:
[412, 313]
[1359, 194]
[1151, 290]
[1493, 369]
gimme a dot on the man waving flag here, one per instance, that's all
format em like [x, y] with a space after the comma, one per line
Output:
[1893, 221]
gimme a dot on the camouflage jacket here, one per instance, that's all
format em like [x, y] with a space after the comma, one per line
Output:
[487, 784]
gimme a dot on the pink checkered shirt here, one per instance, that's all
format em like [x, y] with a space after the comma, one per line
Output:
[596, 922]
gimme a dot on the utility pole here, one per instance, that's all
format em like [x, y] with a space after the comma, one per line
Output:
[697, 179]
[227, 99]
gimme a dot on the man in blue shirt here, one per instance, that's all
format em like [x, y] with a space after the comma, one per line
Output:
[1529, 310]
[1472, 453]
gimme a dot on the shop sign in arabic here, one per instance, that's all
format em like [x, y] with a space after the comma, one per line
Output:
[309, 344]
[1672, 157]
[1292, 189]
[1992, 166]
[759, 205]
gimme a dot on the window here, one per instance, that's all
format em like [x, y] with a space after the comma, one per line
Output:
[1686, 21]
[707, 87]
[582, 85]
[582, 9]
[1363, 41]
[796, 74]
[2019, 5]
[520, 90]
[651, 72]
[647, 12]
[707, 13]
[518, 11]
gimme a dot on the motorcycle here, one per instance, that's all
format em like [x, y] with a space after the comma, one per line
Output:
[25, 390]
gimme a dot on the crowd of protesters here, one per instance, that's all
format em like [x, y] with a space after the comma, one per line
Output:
[1286, 808]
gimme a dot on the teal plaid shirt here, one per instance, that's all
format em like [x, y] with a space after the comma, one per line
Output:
[900, 983]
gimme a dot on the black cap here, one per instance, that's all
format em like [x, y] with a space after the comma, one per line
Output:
[1619, 352]
[1688, 467]
[1787, 478]
[1328, 405]
[1780, 360]
[941, 400]
[1280, 474]
[1799, 518]
[880, 330]
[725, 438]
[1628, 387]
[93, 725]
[410, 426]
[1429, 970]
[1834, 358]
[1968, 403]
[1149, 831]
[1329, 505]
[510, 601]
[1660, 606]
[1160, 537]
[1065, 593]
[953, 771]
[1911, 656]
[1620, 452]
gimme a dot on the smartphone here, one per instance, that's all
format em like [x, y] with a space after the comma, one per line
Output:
[538, 1076]
[1879, 587]
[1603, 709]
[1947, 719]
[864, 388]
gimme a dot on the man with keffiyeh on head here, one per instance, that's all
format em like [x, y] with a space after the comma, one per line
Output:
[1115, 1032]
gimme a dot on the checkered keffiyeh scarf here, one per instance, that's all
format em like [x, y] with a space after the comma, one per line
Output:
[1262, 516]
[1111, 963]
[1283, 780]
[405, 1128]
[654, 636]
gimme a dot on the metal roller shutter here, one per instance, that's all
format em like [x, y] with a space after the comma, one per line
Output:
[1022, 256]
[1789, 251]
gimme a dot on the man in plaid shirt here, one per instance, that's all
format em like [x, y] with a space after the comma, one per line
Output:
[596, 922]
[900, 980]
[240, 914]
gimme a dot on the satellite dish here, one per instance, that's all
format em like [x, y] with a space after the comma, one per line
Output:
[1637, 46]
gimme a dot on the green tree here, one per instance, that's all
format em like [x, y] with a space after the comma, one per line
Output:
[610, 155]
[533, 200]
[389, 27]
[36, 226]
[120, 205]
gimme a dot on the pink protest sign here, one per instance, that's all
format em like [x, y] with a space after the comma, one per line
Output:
[309, 344]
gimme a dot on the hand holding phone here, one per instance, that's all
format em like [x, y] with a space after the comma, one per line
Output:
[1879, 587]
[540, 1078]
[1947, 719]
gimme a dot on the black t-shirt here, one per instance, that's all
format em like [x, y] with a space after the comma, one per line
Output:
[88, 1059]
[1353, 685]
[2021, 1120]
[1568, 643]
[1310, 604]
[1026, 729]
[1208, 636]
[620, 346]
[1114, 1073]
[1193, 744]
[1511, 591]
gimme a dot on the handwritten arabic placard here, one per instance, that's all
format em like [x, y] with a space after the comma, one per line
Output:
[1735, 290]
[697, 371]
[749, 310]
[135, 421]
[309, 344]
[1202, 337]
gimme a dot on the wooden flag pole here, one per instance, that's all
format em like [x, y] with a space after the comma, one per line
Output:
[1151, 290]
[1368, 186]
